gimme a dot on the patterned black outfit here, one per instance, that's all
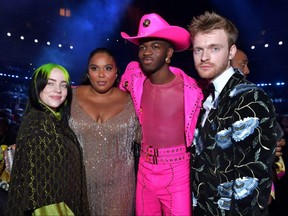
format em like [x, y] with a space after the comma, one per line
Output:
[234, 152]
[48, 167]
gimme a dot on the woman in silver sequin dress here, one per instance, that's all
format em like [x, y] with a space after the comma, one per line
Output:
[104, 120]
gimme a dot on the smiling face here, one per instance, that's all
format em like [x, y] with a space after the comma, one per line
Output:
[55, 91]
[211, 53]
[152, 54]
[102, 71]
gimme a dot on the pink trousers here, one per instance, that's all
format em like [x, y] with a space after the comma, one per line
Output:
[163, 189]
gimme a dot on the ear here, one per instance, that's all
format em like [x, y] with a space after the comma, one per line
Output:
[232, 51]
[170, 52]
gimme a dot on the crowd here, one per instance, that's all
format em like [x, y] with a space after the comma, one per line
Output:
[153, 141]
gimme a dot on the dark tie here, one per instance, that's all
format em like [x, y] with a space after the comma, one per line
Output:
[209, 90]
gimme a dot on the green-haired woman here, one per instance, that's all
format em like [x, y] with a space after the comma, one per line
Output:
[48, 176]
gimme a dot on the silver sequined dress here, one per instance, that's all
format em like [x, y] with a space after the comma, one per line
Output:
[108, 158]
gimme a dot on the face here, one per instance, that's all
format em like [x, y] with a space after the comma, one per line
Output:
[102, 72]
[211, 53]
[152, 55]
[240, 61]
[55, 91]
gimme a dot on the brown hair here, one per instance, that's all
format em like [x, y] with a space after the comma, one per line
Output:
[210, 21]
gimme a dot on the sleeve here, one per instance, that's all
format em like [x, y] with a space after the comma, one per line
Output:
[254, 138]
[57, 209]
[126, 78]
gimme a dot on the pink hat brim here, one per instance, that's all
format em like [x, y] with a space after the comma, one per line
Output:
[178, 36]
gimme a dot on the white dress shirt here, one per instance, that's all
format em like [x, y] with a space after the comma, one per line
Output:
[219, 83]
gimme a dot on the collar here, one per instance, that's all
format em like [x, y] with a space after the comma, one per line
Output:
[221, 81]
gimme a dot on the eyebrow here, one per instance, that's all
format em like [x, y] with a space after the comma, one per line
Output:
[209, 46]
[63, 81]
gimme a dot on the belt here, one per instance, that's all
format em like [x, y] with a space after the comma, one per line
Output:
[164, 155]
[163, 151]
[152, 159]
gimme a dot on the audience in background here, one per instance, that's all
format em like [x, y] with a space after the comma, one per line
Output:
[279, 206]
[240, 61]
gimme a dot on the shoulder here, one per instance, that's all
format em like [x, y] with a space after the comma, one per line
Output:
[36, 120]
[132, 66]
[122, 96]
[132, 75]
[133, 69]
[80, 92]
[35, 116]
[121, 93]
[80, 89]
[247, 88]
[186, 78]
[36, 125]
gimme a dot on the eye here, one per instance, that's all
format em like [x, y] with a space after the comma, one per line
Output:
[64, 85]
[109, 68]
[197, 51]
[50, 83]
[93, 68]
[155, 47]
[141, 48]
[215, 49]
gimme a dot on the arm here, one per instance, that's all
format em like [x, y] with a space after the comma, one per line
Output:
[254, 137]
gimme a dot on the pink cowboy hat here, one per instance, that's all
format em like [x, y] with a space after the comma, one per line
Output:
[154, 26]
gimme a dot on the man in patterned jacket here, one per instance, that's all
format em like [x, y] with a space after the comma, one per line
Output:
[235, 136]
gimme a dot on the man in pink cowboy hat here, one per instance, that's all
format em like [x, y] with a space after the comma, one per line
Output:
[167, 102]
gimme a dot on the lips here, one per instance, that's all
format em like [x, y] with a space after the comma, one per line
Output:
[56, 97]
[205, 66]
[147, 60]
[101, 83]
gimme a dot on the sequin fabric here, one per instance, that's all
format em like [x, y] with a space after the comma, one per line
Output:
[109, 159]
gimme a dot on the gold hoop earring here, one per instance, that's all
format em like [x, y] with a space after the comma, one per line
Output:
[167, 60]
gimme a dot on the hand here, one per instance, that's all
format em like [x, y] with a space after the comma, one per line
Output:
[280, 144]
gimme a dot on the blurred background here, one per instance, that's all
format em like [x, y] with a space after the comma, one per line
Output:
[34, 32]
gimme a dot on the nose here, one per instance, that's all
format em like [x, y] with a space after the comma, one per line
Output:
[205, 56]
[57, 88]
[247, 71]
[101, 73]
[147, 51]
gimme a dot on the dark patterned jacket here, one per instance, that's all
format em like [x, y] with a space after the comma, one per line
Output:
[232, 168]
[48, 167]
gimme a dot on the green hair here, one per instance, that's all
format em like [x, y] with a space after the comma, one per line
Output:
[39, 81]
[46, 69]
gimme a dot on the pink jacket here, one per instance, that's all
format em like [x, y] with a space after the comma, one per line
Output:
[132, 81]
